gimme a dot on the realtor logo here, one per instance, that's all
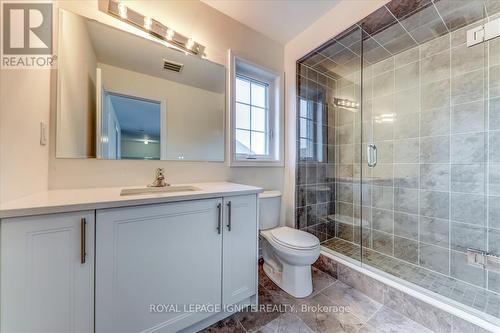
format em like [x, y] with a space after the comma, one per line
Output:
[27, 35]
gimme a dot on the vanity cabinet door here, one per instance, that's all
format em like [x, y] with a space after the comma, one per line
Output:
[240, 248]
[152, 260]
[47, 281]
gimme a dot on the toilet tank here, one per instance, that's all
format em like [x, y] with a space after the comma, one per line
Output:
[269, 209]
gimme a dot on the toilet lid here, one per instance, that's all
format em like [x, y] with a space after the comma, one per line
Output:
[294, 238]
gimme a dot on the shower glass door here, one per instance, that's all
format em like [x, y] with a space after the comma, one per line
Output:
[398, 164]
[329, 142]
[430, 112]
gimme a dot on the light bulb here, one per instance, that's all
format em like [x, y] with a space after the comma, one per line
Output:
[170, 34]
[148, 22]
[190, 44]
[122, 10]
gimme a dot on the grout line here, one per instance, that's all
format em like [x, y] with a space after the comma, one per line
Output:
[404, 28]
[382, 46]
[241, 325]
[441, 17]
[365, 324]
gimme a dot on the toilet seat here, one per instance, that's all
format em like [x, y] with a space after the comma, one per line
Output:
[292, 238]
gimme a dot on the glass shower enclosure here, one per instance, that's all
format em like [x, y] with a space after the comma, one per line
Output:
[398, 166]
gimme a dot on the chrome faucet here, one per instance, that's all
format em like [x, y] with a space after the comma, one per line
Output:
[160, 180]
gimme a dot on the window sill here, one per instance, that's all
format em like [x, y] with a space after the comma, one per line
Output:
[257, 163]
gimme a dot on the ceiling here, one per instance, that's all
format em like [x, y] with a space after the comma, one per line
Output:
[279, 20]
[128, 51]
[137, 117]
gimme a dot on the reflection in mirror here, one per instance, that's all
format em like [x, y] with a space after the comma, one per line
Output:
[121, 96]
[130, 128]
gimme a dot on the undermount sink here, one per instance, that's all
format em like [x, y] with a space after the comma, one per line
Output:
[153, 190]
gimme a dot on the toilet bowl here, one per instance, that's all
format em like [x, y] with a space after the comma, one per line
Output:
[288, 253]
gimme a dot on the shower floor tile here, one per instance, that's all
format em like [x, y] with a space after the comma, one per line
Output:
[478, 298]
[353, 311]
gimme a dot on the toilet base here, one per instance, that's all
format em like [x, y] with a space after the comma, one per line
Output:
[294, 280]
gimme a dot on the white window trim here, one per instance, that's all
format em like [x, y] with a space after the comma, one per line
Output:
[276, 123]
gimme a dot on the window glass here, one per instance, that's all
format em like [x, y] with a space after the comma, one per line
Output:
[242, 142]
[252, 116]
[242, 116]
[258, 95]
[258, 143]
[258, 119]
[306, 130]
[242, 91]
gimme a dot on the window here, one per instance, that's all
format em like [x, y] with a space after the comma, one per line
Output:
[306, 131]
[252, 117]
[311, 131]
[256, 115]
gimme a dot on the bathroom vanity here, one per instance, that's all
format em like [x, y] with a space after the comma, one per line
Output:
[92, 260]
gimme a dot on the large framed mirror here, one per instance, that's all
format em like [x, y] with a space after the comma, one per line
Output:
[122, 96]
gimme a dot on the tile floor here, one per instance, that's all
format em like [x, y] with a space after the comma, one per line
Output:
[344, 309]
[478, 298]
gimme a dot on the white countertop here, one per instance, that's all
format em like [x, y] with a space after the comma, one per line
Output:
[57, 201]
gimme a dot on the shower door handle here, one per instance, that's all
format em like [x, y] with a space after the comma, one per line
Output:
[372, 156]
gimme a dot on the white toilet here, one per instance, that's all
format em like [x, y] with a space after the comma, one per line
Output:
[288, 253]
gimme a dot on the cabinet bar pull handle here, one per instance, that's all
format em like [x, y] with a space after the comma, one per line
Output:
[229, 216]
[219, 218]
[83, 239]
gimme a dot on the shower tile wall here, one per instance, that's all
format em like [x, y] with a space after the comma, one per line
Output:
[315, 198]
[433, 111]
[432, 127]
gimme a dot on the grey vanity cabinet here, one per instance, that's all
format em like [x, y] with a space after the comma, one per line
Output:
[47, 273]
[240, 248]
[153, 265]
[153, 261]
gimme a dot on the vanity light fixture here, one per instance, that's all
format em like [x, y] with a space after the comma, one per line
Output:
[122, 10]
[170, 34]
[345, 103]
[148, 22]
[167, 35]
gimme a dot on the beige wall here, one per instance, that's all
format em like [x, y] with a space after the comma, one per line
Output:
[212, 29]
[26, 167]
[77, 100]
[218, 33]
[340, 17]
[24, 102]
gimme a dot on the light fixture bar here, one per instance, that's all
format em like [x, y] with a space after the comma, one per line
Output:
[176, 40]
[346, 104]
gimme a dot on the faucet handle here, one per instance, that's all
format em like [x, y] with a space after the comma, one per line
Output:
[159, 172]
[159, 180]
